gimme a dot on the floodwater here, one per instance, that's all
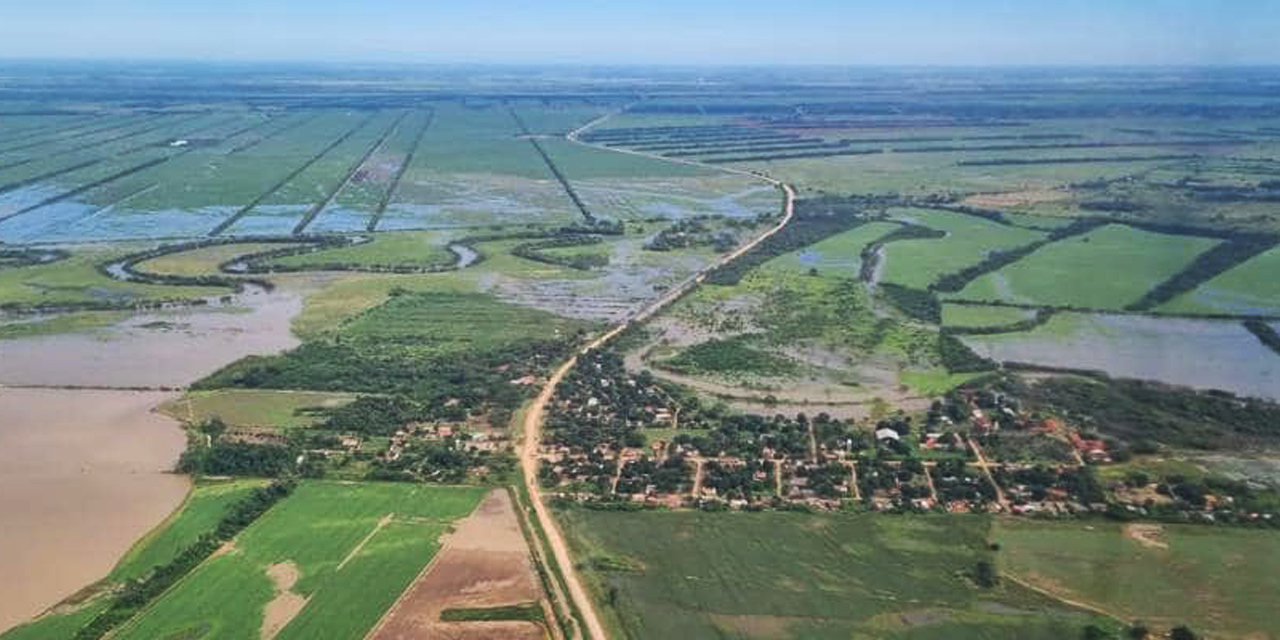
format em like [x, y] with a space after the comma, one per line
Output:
[1207, 354]
[82, 477]
[168, 348]
[83, 472]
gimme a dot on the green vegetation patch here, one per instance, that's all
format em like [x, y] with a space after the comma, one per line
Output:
[715, 575]
[1107, 268]
[387, 249]
[530, 611]
[208, 502]
[978, 316]
[205, 260]
[918, 263]
[1250, 288]
[77, 281]
[350, 549]
[838, 256]
[254, 407]
[1219, 581]
[732, 355]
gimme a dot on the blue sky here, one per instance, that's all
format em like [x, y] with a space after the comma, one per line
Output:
[956, 32]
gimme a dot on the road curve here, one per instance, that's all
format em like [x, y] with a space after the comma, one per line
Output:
[534, 416]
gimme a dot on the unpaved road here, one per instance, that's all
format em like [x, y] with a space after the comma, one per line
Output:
[533, 418]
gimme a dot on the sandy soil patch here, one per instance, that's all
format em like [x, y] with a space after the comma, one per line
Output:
[485, 563]
[83, 475]
[286, 604]
[1147, 535]
[1015, 198]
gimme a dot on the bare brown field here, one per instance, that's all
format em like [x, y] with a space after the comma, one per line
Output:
[485, 563]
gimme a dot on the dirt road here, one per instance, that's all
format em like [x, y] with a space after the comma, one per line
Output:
[533, 418]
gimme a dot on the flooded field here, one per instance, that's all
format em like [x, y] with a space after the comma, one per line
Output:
[1208, 354]
[78, 488]
[170, 348]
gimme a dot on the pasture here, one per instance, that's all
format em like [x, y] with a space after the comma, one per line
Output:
[969, 239]
[331, 557]
[1249, 288]
[737, 575]
[1107, 268]
[1220, 581]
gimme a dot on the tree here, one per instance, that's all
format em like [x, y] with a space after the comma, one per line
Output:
[1138, 631]
[985, 575]
[1094, 632]
[1181, 632]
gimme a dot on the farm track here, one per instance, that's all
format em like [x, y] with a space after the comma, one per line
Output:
[400, 171]
[319, 207]
[242, 211]
[534, 416]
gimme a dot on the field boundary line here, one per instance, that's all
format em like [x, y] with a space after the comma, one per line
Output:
[319, 207]
[240, 213]
[386, 520]
[400, 171]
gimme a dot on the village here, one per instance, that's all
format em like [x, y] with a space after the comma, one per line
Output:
[627, 438]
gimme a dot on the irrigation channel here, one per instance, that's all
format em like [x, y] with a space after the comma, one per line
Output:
[534, 416]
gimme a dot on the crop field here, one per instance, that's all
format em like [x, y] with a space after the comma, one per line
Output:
[918, 263]
[708, 575]
[1219, 581]
[253, 407]
[1107, 268]
[678, 197]
[1250, 288]
[332, 557]
[205, 260]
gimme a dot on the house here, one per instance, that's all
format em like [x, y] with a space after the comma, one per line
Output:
[887, 434]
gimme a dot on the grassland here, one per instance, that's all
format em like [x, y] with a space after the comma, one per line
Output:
[1220, 581]
[1250, 288]
[839, 256]
[350, 568]
[967, 315]
[252, 407]
[77, 280]
[918, 263]
[203, 261]
[1107, 268]
[728, 575]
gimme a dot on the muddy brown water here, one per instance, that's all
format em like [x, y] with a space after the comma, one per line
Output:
[83, 475]
[170, 348]
[83, 472]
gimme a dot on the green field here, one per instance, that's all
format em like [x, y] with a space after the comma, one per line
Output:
[314, 530]
[253, 407]
[1220, 581]
[1250, 288]
[779, 575]
[200, 514]
[968, 315]
[204, 261]
[839, 256]
[1107, 268]
[918, 263]
[389, 249]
